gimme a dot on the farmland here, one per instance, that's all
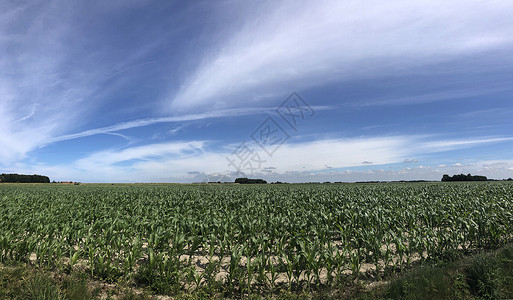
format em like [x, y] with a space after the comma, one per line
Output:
[174, 238]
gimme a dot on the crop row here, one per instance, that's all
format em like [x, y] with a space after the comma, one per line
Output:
[187, 236]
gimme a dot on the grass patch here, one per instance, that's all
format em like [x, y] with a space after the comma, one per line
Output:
[23, 281]
[482, 275]
[485, 275]
[426, 282]
[20, 282]
[41, 287]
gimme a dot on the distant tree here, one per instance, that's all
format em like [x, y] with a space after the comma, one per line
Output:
[250, 181]
[462, 177]
[20, 178]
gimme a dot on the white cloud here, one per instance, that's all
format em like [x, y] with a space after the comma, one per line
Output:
[410, 161]
[338, 153]
[49, 78]
[174, 161]
[172, 119]
[163, 172]
[111, 157]
[447, 145]
[37, 98]
[437, 96]
[47, 85]
[302, 44]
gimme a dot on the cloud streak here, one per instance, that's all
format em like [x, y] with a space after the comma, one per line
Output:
[309, 44]
[69, 72]
[46, 82]
[235, 112]
[176, 160]
[438, 96]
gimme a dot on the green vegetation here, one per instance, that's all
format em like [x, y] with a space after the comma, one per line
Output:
[19, 178]
[463, 177]
[21, 282]
[485, 275]
[241, 240]
[250, 181]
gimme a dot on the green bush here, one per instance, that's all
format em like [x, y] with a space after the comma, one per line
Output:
[482, 273]
[427, 282]
[41, 287]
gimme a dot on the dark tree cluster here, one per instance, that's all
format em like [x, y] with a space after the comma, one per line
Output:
[463, 177]
[20, 178]
[250, 181]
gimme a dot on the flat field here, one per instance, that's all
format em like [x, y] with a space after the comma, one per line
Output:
[246, 237]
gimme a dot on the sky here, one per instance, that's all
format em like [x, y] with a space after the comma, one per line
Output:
[295, 91]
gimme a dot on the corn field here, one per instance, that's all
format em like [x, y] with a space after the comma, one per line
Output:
[245, 237]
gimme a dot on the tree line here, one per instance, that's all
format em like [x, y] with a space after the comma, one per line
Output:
[250, 181]
[462, 177]
[20, 178]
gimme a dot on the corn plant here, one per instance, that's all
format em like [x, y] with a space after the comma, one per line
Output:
[253, 233]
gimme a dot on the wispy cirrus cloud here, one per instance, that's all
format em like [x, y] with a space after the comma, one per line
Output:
[447, 145]
[176, 160]
[108, 158]
[46, 81]
[313, 43]
[57, 73]
[453, 94]
[69, 71]
[234, 112]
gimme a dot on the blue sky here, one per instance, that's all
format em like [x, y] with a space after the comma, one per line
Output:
[183, 91]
